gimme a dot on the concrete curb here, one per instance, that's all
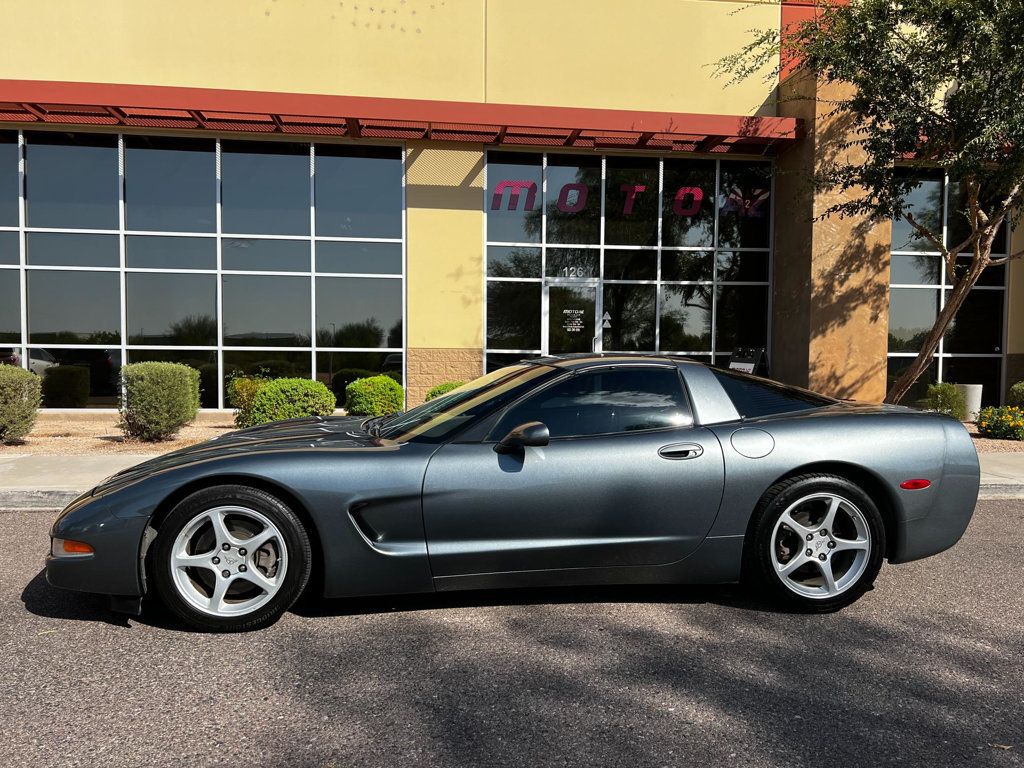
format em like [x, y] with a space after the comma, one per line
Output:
[56, 499]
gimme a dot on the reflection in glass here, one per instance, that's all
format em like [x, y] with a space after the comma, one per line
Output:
[574, 199]
[276, 363]
[742, 266]
[987, 371]
[919, 389]
[103, 365]
[203, 361]
[629, 317]
[170, 184]
[912, 313]
[339, 369]
[56, 249]
[916, 269]
[513, 315]
[686, 266]
[358, 312]
[10, 305]
[495, 362]
[573, 262]
[71, 180]
[744, 205]
[513, 195]
[74, 307]
[370, 258]
[8, 180]
[978, 325]
[179, 310]
[958, 224]
[631, 201]
[247, 321]
[686, 318]
[9, 248]
[512, 261]
[571, 311]
[265, 187]
[265, 255]
[630, 265]
[358, 191]
[925, 204]
[688, 203]
[995, 276]
[156, 252]
[740, 317]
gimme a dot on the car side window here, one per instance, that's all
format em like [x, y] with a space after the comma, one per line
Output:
[755, 397]
[604, 401]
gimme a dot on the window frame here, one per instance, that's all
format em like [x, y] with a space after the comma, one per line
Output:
[493, 431]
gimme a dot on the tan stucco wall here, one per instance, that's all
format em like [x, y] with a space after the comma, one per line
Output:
[594, 53]
[833, 337]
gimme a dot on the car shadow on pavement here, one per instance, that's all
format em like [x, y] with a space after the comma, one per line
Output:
[44, 600]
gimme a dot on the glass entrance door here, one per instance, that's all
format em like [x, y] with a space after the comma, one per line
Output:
[571, 317]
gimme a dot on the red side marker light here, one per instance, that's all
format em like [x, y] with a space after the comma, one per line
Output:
[915, 485]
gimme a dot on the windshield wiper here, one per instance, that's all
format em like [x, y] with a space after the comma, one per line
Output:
[372, 426]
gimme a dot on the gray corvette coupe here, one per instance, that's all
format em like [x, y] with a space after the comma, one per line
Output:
[558, 471]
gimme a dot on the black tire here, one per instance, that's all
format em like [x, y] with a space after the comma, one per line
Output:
[758, 568]
[292, 531]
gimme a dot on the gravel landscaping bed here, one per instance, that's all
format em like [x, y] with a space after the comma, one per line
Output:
[988, 445]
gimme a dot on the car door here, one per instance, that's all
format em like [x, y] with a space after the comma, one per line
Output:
[626, 480]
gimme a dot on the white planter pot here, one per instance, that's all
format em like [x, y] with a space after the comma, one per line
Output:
[972, 396]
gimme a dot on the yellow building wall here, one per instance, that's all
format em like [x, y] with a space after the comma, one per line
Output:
[592, 53]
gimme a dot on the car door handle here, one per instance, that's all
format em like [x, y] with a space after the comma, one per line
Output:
[680, 451]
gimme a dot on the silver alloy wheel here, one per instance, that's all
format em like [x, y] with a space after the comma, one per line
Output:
[229, 561]
[821, 545]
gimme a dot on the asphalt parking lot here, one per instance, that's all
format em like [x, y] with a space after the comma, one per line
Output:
[928, 669]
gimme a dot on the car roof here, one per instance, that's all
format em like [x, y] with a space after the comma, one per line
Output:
[587, 359]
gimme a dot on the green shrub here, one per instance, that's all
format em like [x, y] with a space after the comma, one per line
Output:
[946, 398]
[241, 392]
[1016, 395]
[19, 402]
[157, 399]
[66, 386]
[375, 396]
[290, 399]
[1003, 423]
[442, 389]
[345, 376]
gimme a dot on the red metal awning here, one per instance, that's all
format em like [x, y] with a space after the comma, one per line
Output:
[257, 112]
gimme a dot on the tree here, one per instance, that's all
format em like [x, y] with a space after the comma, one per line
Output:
[933, 84]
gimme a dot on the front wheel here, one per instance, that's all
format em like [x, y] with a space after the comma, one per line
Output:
[230, 559]
[817, 542]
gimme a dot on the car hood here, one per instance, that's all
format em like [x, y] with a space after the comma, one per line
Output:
[334, 432]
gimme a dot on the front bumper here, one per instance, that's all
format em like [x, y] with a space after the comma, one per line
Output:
[114, 567]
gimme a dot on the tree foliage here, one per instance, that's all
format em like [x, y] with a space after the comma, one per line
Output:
[926, 83]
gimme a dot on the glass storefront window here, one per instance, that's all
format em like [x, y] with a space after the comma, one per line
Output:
[925, 204]
[251, 255]
[366, 258]
[10, 305]
[71, 180]
[169, 309]
[104, 372]
[247, 321]
[74, 307]
[57, 249]
[358, 312]
[8, 180]
[203, 361]
[647, 276]
[358, 191]
[160, 252]
[339, 369]
[170, 184]
[265, 188]
[513, 199]
[9, 248]
[275, 363]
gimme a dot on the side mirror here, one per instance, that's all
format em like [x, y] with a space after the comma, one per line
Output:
[532, 433]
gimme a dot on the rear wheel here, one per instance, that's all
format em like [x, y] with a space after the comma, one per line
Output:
[817, 542]
[230, 559]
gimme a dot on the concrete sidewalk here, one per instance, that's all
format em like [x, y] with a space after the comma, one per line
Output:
[30, 481]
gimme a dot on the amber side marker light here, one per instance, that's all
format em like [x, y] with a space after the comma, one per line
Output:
[70, 547]
[915, 485]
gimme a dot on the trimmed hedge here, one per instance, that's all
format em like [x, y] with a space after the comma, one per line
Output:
[442, 389]
[1016, 395]
[946, 398]
[375, 396]
[345, 376]
[66, 386]
[157, 399]
[241, 391]
[290, 399]
[19, 402]
[1003, 423]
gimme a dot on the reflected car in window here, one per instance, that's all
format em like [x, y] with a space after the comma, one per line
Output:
[568, 470]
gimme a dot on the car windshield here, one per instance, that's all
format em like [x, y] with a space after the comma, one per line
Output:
[436, 419]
